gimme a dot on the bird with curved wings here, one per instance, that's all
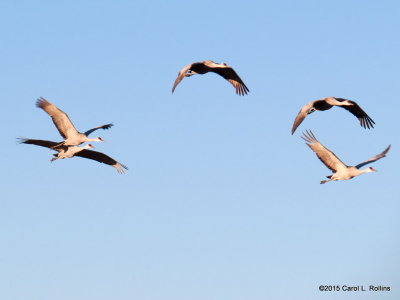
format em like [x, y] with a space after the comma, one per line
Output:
[332, 162]
[329, 102]
[71, 151]
[72, 137]
[209, 66]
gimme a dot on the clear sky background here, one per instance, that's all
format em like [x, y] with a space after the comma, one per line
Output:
[220, 200]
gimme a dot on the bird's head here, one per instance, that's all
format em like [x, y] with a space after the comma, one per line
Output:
[99, 139]
[90, 146]
[311, 110]
[371, 169]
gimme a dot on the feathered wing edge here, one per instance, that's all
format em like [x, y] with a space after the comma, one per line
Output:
[102, 158]
[106, 126]
[301, 116]
[327, 157]
[60, 119]
[42, 143]
[365, 120]
[230, 74]
[375, 158]
[181, 75]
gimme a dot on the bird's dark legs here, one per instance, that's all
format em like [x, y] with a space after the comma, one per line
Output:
[58, 145]
[57, 156]
[325, 181]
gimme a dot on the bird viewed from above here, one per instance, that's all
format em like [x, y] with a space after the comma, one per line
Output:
[209, 66]
[341, 171]
[65, 127]
[71, 151]
[329, 102]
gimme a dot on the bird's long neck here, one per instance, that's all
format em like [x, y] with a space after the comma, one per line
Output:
[76, 149]
[96, 139]
[367, 170]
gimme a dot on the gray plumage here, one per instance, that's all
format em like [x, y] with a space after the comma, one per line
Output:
[71, 151]
[332, 162]
[209, 66]
[72, 137]
[329, 102]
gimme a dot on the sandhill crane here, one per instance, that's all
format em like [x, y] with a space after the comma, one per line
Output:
[329, 102]
[341, 171]
[209, 66]
[65, 127]
[71, 151]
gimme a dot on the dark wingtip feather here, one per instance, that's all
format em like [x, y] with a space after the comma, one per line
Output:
[386, 150]
[40, 102]
[367, 122]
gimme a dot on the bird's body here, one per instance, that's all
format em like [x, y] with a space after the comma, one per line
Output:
[348, 173]
[329, 102]
[71, 151]
[332, 162]
[72, 137]
[209, 66]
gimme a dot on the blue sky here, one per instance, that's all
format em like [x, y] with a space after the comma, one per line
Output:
[220, 201]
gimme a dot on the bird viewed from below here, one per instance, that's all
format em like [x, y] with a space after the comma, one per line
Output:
[329, 102]
[341, 171]
[209, 66]
[71, 151]
[71, 136]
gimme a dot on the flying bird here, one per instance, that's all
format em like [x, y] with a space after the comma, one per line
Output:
[329, 102]
[71, 151]
[209, 66]
[72, 137]
[339, 169]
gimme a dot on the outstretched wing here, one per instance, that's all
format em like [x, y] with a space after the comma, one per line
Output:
[102, 158]
[326, 156]
[107, 126]
[357, 111]
[301, 115]
[60, 118]
[181, 75]
[229, 74]
[42, 143]
[375, 158]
